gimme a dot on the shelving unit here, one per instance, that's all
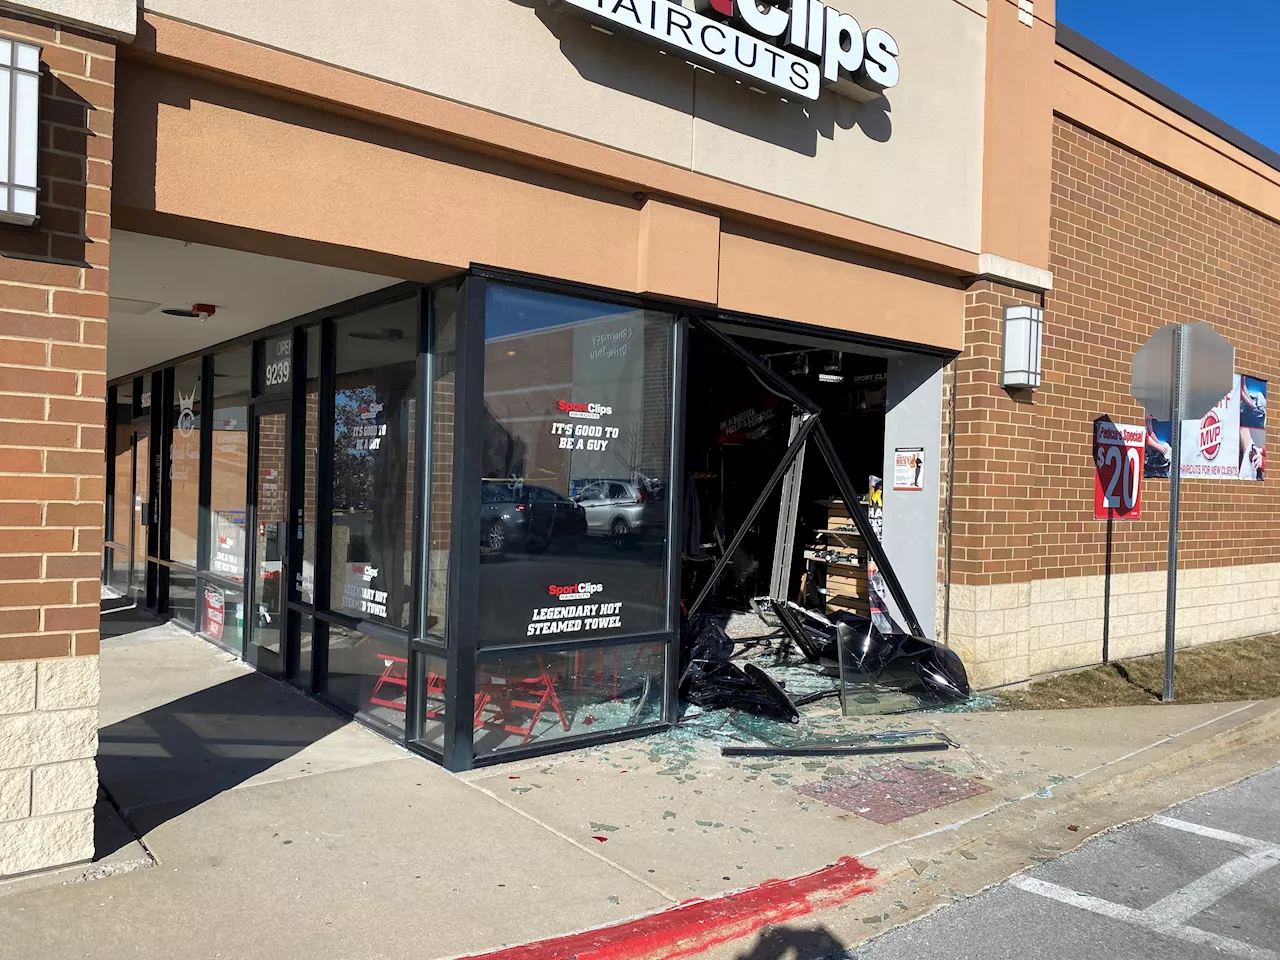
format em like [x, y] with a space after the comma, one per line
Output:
[836, 563]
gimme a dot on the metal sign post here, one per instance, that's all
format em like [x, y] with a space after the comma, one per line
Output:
[1181, 365]
[1180, 373]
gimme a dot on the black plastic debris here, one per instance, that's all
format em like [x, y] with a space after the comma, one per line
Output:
[710, 680]
[893, 659]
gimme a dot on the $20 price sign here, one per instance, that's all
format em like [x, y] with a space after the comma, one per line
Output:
[1118, 452]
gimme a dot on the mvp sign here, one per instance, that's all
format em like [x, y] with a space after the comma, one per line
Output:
[1118, 450]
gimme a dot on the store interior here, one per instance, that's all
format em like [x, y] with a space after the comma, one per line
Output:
[737, 430]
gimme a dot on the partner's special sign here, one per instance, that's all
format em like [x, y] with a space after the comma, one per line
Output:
[795, 48]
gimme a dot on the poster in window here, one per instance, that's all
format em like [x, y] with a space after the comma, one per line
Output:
[215, 611]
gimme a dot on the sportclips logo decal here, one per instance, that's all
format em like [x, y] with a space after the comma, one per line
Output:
[584, 411]
[576, 591]
[793, 46]
[569, 617]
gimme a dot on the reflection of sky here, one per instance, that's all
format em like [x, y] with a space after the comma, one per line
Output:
[510, 311]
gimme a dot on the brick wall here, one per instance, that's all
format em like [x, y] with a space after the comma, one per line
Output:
[997, 466]
[53, 332]
[1134, 247]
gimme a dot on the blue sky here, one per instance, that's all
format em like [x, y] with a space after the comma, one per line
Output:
[1224, 57]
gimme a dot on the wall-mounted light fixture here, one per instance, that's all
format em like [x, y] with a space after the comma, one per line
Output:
[1023, 333]
[19, 130]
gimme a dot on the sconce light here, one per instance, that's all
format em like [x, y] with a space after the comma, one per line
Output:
[19, 130]
[1023, 333]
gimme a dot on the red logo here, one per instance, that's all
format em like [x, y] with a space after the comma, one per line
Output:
[589, 411]
[575, 590]
[1210, 435]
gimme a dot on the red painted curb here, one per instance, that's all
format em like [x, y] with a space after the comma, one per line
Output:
[698, 925]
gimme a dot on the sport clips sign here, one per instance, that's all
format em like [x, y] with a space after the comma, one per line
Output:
[797, 48]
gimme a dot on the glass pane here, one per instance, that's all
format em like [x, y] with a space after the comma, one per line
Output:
[443, 386]
[306, 634]
[182, 595]
[230, 466]
[376, 359]
[433, 701]
[577, 398]
[222, 616]
[184, 467]
[141, 503]
[120, 567]
[311, 440]
[271, 498]
[368, 675]
[534, 697]
[121, 493]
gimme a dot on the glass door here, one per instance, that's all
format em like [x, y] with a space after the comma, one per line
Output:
[270, 521]
[141, 490]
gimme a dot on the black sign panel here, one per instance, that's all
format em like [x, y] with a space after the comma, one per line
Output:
[275, 365]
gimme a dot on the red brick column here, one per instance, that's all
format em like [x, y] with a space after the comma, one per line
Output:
[53, 334]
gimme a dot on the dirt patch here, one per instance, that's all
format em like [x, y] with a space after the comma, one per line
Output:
[1224, 672]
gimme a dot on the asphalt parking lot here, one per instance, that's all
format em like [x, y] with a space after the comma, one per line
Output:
[1200, 880]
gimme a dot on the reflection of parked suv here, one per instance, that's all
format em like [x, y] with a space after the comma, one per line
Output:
[524, 516]
[623, 509]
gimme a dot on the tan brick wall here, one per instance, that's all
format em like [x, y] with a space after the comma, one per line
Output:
[53, 334]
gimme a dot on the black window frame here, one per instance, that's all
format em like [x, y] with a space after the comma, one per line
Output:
[459, 649]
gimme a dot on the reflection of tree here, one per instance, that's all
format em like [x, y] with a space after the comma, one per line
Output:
[352, 468]
[503, 453]
[629, 445]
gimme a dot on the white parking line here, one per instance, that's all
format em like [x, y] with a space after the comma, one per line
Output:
[1168, 917]
[1248, 843]
[1138, 918]
[1181, 905]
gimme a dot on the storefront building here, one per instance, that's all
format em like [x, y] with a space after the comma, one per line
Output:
[427, 374]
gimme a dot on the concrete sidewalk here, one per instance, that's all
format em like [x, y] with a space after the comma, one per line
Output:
[272, 828]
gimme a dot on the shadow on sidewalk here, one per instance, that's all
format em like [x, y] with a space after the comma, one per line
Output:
[797, 943]
[159, 764]
[119, 617]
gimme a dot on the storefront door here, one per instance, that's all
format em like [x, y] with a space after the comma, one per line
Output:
[142, 521]
[269, 512]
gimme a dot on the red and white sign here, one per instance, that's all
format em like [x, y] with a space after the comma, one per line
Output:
[1118, 450]
[215, 612]
[1210, 435]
